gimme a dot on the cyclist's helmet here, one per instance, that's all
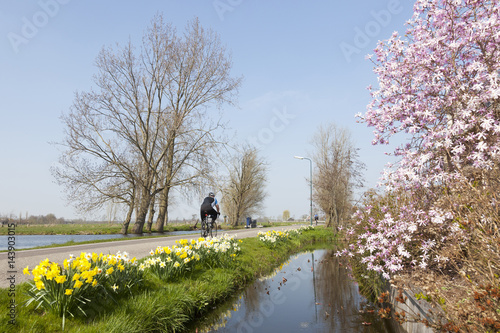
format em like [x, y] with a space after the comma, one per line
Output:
[211, 194]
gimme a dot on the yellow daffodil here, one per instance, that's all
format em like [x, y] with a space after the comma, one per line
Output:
[50, 275]
[85, 266]
[60, 278]
[37, 271]
[78, 283]
[40, 285]
[26, 271]
[68, 292]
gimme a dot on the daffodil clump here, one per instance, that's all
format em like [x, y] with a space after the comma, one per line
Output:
[170, 263]
[81, 280]
[218, 252]
[273, 238]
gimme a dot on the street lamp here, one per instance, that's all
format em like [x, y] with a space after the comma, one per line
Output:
[311, 181]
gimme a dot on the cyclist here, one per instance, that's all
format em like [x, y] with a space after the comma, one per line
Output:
[208, 207]
[316, 218]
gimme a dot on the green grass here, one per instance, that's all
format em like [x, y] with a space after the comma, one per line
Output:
[167, 307]
[83, 229]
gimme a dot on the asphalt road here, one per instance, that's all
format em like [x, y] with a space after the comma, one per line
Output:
[11, 269]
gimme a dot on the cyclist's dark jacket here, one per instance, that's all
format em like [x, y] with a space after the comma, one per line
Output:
[208, 204]
[208, 207]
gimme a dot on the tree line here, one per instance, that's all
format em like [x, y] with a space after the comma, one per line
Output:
[32, 219]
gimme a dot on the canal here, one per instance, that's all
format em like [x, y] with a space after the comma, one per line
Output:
[311, 292]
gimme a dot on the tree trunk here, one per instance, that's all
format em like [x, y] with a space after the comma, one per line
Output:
[163, 213]
[237, 211]
[338, 213]
[142, 212]
[125, 224]
[151, 215]
[169, 165]
[329, 220]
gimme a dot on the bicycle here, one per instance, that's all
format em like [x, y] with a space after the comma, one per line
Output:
[208, 229]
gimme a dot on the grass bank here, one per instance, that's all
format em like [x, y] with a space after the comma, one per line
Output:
[160, 306]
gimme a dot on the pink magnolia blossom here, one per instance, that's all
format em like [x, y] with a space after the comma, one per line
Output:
[437, 83]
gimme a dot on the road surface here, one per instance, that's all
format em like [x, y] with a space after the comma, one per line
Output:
[11, 269]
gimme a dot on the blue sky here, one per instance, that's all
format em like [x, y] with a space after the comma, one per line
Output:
[303, 65]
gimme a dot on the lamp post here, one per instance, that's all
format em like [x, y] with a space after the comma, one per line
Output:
[311, 181]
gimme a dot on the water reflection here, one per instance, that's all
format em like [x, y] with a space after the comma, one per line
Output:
[312, 292]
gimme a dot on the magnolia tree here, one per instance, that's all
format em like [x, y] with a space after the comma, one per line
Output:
[438, 83]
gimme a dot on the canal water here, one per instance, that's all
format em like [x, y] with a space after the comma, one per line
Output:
[312, 292]
[30, 241]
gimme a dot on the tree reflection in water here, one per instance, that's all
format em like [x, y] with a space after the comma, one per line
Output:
[312, 292]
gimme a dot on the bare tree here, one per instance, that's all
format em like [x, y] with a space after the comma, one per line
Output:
[243, 193]
[337, 174]
[145, 129]
[200, 76]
